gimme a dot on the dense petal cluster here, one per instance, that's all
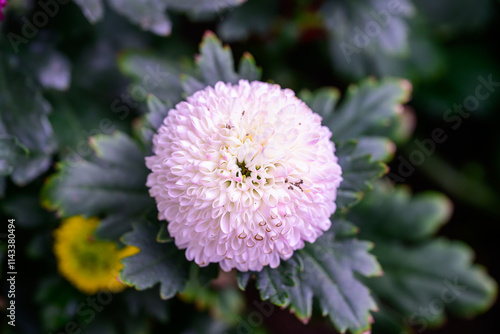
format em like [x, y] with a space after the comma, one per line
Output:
[244, 174]
[89, 264]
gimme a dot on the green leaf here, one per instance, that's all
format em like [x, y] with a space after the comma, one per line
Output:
[12, 152]
[204, 275]
[358, 171]
[92, 9]
[242, 278]
[150, 15]
[163, 235]
[225, 303]
[399, 128]
[115, 224]
[147, 125]
[423, 277]
[359, 30]
[23, 116]
[75, 118]
[148, 301]
[378, 148]
[158, 110]
[31, 168]
[54, 70]
[420, 291]
[247, 68]
[110, 183]
[323, 101]
[170, 82]
[253, 17]
[369, 107]
[215, 61]
[372, 109]
[324, 270]
[395, 214]
[158, 76]
[424, 61]
[203, 6]
[270, 283]
[155, 263]
[433, 276]
[191, 85]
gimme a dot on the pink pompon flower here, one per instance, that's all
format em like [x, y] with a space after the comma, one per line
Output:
[3, 3]
[244, 174]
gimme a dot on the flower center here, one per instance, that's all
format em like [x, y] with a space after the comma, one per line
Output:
[95, 257]
[243, 168]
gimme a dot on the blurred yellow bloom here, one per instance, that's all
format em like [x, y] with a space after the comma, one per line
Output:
[89, 264]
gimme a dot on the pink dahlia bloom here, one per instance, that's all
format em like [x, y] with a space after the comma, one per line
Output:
[244, 174]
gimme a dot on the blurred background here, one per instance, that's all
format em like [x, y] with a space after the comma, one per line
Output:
[446, 49]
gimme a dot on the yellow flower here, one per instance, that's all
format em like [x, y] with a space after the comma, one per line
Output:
[89, 264]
